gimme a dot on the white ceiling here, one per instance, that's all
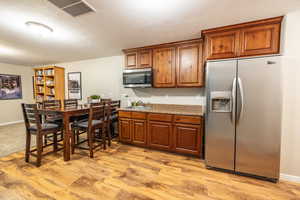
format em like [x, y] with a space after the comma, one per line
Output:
[118, 24]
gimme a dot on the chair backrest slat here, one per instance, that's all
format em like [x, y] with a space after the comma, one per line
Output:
[31, 116]
[70, 103]
[51, 104]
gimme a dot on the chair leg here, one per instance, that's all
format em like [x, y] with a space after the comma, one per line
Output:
[55, 142]
[90, 141]
[39, 146]
[112, 128]
[77, 136]
[103, 138]
[28, 143]
[109, 134]
[73, 141]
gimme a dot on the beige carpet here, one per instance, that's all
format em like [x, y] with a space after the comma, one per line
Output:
[12, 139]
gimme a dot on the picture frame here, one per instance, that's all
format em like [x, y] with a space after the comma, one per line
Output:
[74, 85]
[10, 87]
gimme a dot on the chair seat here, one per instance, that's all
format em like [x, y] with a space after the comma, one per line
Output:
[85, 124]
[45, 127]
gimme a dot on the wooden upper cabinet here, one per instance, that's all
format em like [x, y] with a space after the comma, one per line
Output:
[189, 70]
[222, 45]
[164, 67]
[145, 58]
[247, 39]
[257, 40]
[131, 60]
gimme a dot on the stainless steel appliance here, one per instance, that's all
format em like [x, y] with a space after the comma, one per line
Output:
[137, 78]
[243, 116]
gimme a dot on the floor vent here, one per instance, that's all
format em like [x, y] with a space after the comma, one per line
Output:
[73, 7]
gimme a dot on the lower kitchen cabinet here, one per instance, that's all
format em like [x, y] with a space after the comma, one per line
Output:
[125, 129]
[139, 131]
[175, 133]
[188, 139]
[160, 135]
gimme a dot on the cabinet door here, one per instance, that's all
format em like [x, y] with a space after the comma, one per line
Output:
[160, 135]
[188, 139]
[164, 67]
[190, 70]
[139, 132]
[125, 130]
[131, 60]
[259, 40]
[145, 59]
[222, 44]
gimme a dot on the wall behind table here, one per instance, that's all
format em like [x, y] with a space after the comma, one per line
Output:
[10, 110]
[103, 76]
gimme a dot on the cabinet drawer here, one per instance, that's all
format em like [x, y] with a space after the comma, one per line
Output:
[187, 119]
[138, 115]
[124, 114]
[160, 117]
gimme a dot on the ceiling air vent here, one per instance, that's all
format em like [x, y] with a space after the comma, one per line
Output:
[73, 7]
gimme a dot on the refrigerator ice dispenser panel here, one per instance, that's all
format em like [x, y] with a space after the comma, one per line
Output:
[221, 101]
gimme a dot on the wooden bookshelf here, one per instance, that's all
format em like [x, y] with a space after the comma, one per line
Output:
[49, 83]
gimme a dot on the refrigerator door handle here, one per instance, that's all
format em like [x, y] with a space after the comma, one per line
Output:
[241, 90]
[233, 93]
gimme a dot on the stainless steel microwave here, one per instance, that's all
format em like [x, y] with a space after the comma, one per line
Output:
[137, 78]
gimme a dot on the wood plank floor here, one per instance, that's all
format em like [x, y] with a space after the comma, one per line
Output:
[126, 172]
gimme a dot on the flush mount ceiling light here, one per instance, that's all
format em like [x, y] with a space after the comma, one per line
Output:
[39, 28]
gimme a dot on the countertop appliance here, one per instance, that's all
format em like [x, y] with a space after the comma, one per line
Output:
[243, 116]
[137, 78]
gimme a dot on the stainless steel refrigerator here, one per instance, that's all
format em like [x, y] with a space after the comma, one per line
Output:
[243, 115]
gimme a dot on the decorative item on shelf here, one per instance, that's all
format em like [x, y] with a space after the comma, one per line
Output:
[39, 73]
[94, 99]
[137, 103]
[10, 87]
[74, 85]
[49, 72]
[50, 82]
[40, 80]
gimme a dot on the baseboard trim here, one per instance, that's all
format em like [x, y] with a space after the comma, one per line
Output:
[9, 123]
[291, 178]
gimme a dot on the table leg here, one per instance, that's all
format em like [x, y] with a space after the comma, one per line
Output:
[67, 137]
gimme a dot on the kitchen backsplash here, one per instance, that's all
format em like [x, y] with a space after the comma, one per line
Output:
[184, 96]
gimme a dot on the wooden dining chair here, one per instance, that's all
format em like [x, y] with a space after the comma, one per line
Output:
[114, 106]
[52, 118]
[97, 121]
[35, 127]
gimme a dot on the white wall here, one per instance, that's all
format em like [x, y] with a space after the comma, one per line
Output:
[10, 110]
[103, 76]
[290, 150]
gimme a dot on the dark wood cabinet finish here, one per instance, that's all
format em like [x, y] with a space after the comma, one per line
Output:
[125, 130]
[175, 133]
[164, 67]
[160, 135]
[139, 132]
[131, 60]
[188, 139]
[189, 70]
[247, 39]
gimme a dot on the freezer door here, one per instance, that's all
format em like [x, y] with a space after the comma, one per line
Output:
[220, 114]
[258, 129]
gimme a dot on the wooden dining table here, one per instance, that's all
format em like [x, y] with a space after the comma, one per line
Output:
[67, 113]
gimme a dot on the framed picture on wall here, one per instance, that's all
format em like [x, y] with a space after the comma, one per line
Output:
[10, 87]
[74, 85]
